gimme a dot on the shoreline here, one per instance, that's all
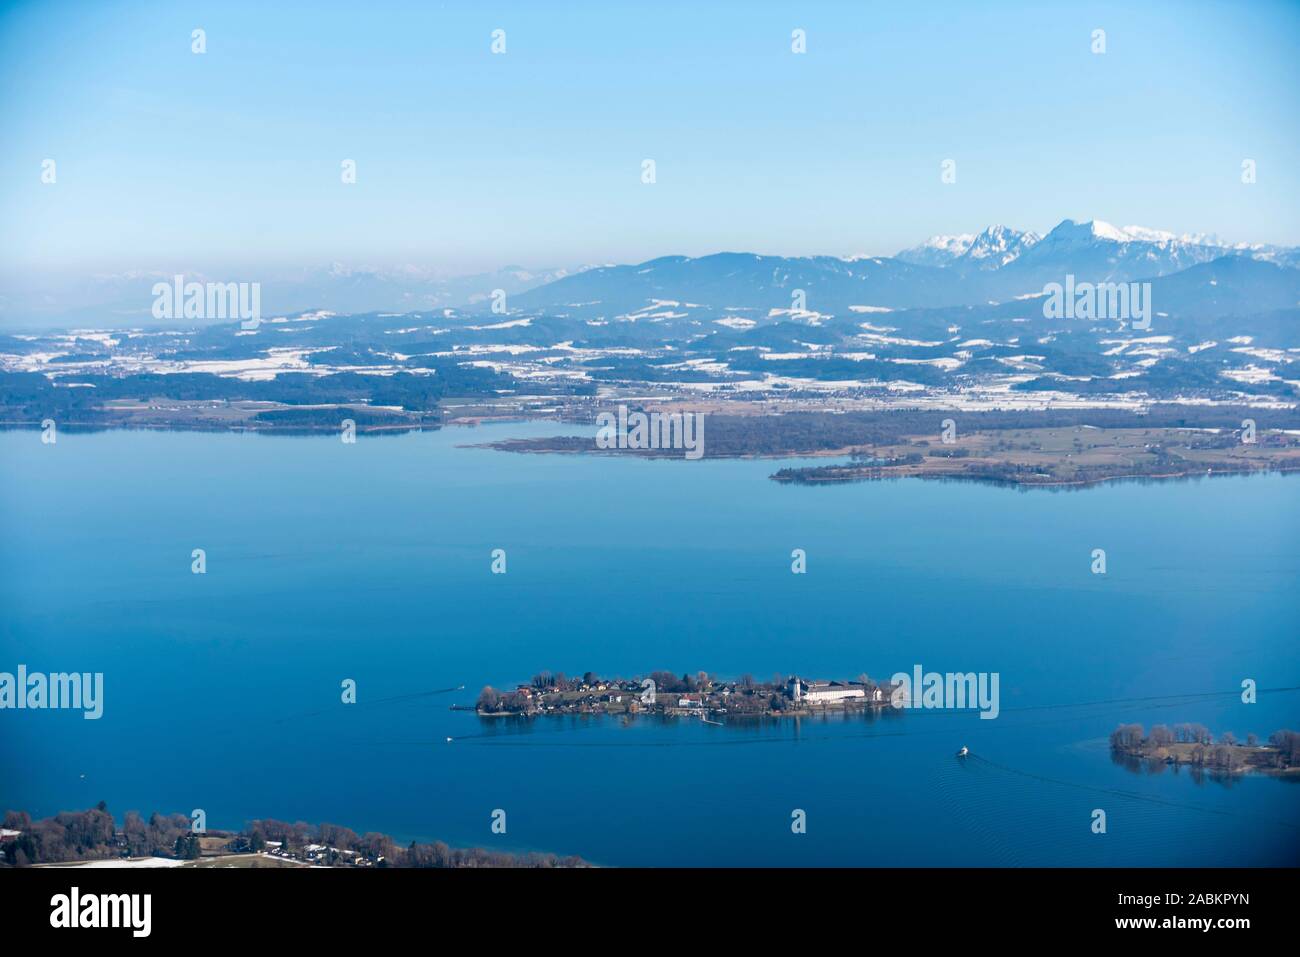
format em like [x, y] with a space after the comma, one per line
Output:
[696, 713]
[1273, 459]
[1054, 484]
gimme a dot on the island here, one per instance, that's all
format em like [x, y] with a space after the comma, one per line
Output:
[1194, 745]
[700, 695]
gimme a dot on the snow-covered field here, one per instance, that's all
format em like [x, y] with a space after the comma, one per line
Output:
[122, 862]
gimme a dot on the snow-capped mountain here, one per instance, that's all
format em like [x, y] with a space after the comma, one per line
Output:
[1099, 252]
[1002, 263]
[1153, 252]
[938, 250]
[992, 248]
[997, 246]
[1280, 255]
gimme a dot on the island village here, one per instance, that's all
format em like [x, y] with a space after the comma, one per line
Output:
[700, 695]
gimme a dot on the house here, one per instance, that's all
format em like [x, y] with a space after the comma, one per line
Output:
[885, 693]
[821, 692]
[689, 701]
[6, 835]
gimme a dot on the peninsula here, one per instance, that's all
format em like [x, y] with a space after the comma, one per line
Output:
[92, 838]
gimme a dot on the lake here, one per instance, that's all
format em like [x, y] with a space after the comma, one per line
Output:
[371, 561]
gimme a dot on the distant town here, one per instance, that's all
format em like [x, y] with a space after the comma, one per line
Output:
[700, 695]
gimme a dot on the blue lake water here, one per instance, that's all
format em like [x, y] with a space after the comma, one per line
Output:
[371, 561]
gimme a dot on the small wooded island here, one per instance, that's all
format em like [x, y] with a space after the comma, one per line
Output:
[1194, 745]
[700, 695]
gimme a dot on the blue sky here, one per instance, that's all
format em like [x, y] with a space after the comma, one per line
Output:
[468, 161]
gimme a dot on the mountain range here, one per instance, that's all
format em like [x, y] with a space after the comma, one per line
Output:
[997, 265]
[956, 316]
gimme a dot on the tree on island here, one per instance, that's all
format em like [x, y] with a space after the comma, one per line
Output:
[1194, 744]
[667, 682]
[1288, 747]
[1127, 736]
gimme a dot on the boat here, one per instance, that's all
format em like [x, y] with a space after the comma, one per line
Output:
[963, 752]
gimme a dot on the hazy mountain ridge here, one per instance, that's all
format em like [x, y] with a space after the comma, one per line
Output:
[125, 299]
